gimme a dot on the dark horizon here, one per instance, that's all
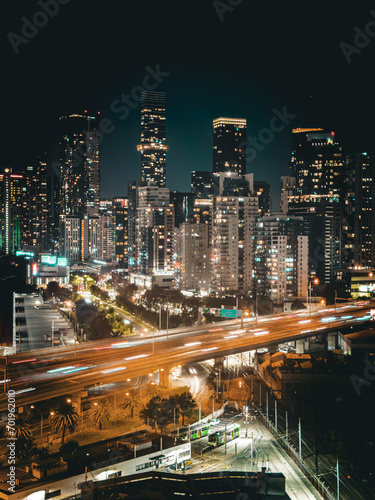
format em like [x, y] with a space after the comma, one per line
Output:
[243, 62]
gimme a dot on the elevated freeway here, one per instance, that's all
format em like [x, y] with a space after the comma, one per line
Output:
[54, 372]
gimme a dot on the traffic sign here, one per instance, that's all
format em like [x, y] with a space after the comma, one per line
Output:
[230, 313]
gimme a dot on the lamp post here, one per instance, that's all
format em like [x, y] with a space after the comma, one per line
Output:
[315, 281]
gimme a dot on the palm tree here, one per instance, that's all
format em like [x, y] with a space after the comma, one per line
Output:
[100, 412]
[22, 432]
[64, 418]
[21, 429]
[132, 402]
[150, 391]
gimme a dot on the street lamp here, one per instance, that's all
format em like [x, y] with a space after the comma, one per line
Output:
[246, 314]
[315, 281]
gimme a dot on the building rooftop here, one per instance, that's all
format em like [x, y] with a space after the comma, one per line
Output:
[57, 466]
[224, 485]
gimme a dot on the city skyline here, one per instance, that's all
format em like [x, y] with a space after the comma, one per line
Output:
[309, 74]
[187, 238]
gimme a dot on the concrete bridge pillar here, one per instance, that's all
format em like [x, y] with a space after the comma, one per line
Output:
[300, 346]
[76, 400]
[331, 341]
[164, 378]
[307, 344]
[219, 362]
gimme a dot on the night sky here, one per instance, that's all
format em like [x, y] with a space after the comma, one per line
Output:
[244, 62]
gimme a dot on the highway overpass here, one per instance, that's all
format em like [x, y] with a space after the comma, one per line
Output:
[42, 375]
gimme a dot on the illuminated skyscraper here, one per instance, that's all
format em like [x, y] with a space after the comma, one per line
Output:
[317, 164]
[92, 169]
[229, 145]
[154, 230]
[11, 210]
[358, 245]
[153, 145]
[79, 165]
[120, 224]
[34, 231]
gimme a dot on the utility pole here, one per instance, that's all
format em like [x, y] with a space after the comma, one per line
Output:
[219, 386]
[276, 414]
[167, 314]
[338, 478]
[114, 406]
[225, 438]
[286, 425]
[299, 438]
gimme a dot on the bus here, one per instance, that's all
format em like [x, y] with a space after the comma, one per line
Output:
[224, 435]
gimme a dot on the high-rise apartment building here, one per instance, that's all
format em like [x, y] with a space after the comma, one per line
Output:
[358, 231]
[263, 190]
[92, 170]
[154, 230]
[281, 257]
[232, 250]
[12, 193]
[23, 208]
[287, 186]
[194, 256]
[71, 245]
[120, 225]
[153, 145]
[183, 206]
[229, 145]
[317, 164]
[204, 184]
[34, 230]
[106, 216]
[79, 164]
